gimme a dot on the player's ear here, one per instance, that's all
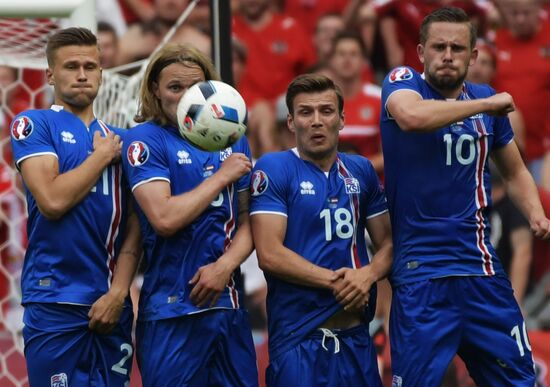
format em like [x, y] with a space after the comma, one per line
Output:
[342, 120]
[290, 123]
[420, 52]
[473, 56]
[156, 89]
[49, 76]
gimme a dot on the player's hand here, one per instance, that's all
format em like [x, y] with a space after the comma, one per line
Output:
[208, 283]
[351, 287]
[110, 146]
[541, 227]
[105, 313]
[234, 167]
[500, 104]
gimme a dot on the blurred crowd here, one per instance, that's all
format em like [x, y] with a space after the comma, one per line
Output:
[355, 42]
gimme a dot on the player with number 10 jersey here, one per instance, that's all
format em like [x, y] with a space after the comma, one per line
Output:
[448, 234]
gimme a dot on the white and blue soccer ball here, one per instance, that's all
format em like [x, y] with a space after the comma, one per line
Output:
[212, 115]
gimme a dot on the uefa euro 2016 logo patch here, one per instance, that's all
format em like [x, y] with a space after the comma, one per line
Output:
[22, 128]
[258, 183]
[400, 74]
[138, 153]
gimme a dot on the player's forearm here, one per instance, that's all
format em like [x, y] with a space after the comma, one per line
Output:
[522, 190]
[240, 249]
[176, 212]
[66, 190]
[291, 267]
[431, 115]
[382, 261]
[128, 259]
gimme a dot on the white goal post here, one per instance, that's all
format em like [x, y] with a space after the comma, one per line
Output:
[80, 12]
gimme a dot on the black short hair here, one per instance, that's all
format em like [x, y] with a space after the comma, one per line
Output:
[73, 36]
[450, 15]
[311, 83]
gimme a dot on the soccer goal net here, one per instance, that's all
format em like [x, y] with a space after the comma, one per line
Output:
[25, 26]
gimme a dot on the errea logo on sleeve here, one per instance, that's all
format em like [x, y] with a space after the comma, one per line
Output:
[68, 137]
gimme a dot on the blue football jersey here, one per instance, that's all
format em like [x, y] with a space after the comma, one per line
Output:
[70, 259]
[154, 153]
[327, 216]
[437, 186]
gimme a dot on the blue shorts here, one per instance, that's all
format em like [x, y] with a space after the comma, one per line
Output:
[476, 317]
[60, 350]
[212, 348]
[328, 358]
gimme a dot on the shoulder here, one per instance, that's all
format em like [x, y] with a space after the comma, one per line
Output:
[402, 78]
[356, 163]
[27, 122]
[401, 74]
[119, 131]
[274, 158]
[34, 115]
[144, 131]
[479, 90]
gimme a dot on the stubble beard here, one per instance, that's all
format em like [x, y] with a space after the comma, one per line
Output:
[446, 83]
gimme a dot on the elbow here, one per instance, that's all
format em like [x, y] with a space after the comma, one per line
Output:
[411, 123]
[266, 261]
[410, 120]
[52, 209]
[163, 227]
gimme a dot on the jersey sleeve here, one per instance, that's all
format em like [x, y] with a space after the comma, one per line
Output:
[242, 146]
[376, 198]
[267, 187]
[400, 78]
[143, 156]
[31, 136]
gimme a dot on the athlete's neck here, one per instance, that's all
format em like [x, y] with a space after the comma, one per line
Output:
[324, 162]
[86, 114]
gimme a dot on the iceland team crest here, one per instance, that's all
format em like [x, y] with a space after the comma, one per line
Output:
[59, 380]
[22, 128]
[259, 183]
[352, 185]
[400, 74]
[138, 153]
[225, 153]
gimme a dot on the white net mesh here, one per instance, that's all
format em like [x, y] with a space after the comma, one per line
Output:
[22, 41]
[23, 86]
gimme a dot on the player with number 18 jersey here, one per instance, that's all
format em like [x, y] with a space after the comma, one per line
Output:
[327, 215]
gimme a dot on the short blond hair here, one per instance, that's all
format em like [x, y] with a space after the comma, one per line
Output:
[150, 108]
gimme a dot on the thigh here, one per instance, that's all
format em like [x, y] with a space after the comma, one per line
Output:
[425, 331]
[496, 347]
[234, 358]
[67, 352]
[178, 351]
